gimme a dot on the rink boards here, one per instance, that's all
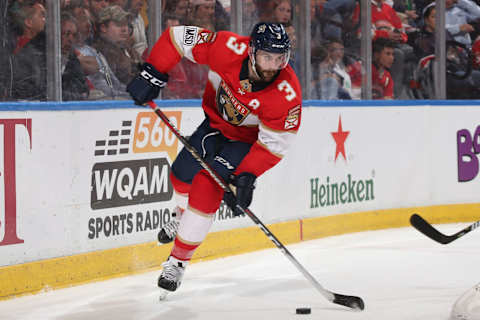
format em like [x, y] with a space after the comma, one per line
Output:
[84, 186]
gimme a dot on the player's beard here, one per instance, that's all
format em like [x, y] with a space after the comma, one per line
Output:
[265, 75]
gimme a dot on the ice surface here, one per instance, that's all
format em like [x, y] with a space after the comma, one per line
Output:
[399, 273]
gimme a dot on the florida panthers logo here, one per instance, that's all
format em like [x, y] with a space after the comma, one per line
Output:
[229, 107]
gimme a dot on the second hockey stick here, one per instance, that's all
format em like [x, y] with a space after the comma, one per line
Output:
[345, 300]
[427, 229]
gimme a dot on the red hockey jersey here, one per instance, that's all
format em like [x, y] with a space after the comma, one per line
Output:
[268, 118]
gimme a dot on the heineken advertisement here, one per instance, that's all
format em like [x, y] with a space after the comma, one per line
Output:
[325, 192]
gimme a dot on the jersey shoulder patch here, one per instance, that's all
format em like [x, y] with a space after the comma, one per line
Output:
[195, 35]
[206, 36]
[293, 118]
[190, 35]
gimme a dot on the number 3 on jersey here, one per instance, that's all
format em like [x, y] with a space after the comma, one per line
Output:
[238, 48]
[285, 86]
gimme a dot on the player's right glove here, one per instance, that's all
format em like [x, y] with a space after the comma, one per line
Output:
[244, 184]
[147, 84]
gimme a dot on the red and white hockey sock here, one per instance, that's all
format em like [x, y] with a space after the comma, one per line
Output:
[193, 229]
[204, 199]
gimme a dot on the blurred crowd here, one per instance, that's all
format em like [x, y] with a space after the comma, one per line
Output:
[103, 42]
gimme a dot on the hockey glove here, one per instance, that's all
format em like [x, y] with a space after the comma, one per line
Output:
[244, 184]
[147, 84]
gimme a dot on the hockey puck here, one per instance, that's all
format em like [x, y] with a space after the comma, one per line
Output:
[303, 311]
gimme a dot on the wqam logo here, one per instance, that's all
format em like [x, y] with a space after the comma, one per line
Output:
[123, 183]
[131, 182]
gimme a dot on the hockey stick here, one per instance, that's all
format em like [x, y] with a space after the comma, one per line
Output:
[427, 229]
[348, 301]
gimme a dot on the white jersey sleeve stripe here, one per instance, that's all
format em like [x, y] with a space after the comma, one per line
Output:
[277, 142]
[174, 41]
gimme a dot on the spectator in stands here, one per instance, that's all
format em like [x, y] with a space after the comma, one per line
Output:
[282, 11]
[387, 24]
[104, 83]
[74, 82]
[29, 20]
[139, 36]
[316, 7]
[459, 86]
[383, 57]
[93, 65]
[405, 9]
[29, 79]
[112, 42]
[207, 14]
[177, 8]
[102, 80]
[250, 16]
[203, 14]
[423, 41]
[222, 16]
[339, 18]
[264, 9]
[85, 53]
[81, 8]
[331, 80]
[95, 7]
[85, 26]
[419, 6]
[458, 16]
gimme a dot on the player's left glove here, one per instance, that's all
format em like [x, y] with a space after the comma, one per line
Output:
[244, 184]
[147, 84]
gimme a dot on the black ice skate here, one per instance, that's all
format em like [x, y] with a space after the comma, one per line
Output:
[169, 230]
[171, 276]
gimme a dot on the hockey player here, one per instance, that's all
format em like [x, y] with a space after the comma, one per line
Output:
[252, 103]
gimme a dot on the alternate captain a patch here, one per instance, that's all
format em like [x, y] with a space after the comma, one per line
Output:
[293, 118]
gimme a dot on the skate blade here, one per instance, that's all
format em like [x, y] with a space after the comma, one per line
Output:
[163, 294]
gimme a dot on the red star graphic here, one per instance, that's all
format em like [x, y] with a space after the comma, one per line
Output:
[340, 136]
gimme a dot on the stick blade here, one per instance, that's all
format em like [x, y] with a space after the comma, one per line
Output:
[427, 229]
[353, 302]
